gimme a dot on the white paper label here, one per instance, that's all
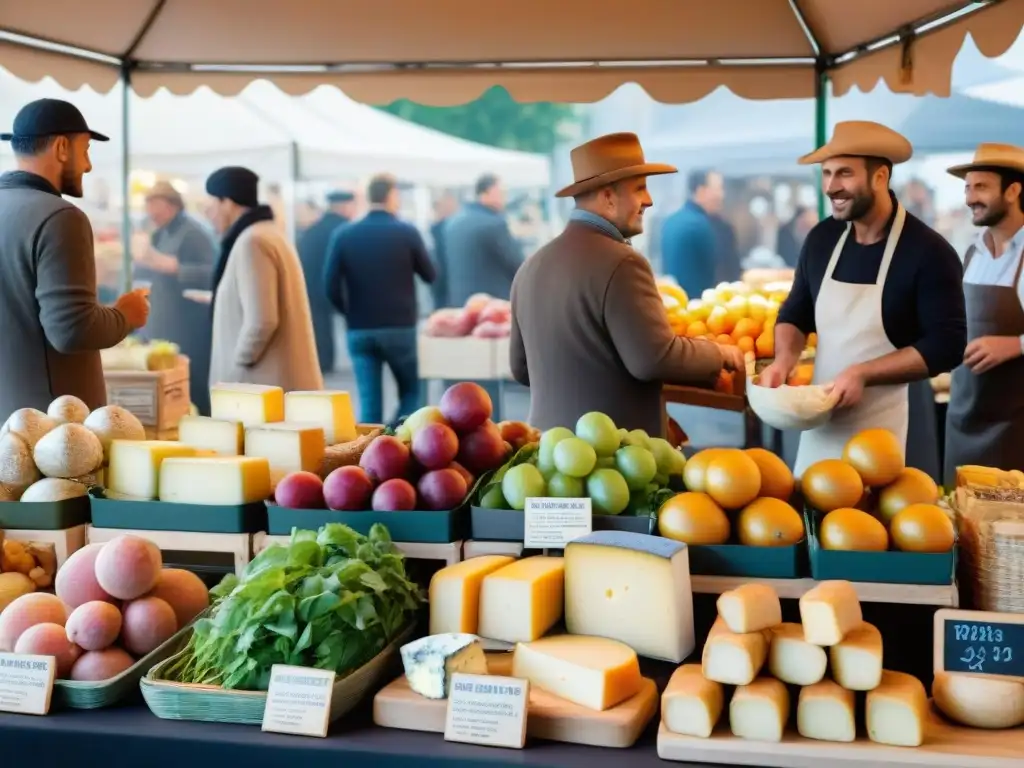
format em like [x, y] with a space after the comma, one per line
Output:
[552, 523]
[299, 700]
[488, 710]
[26, 683]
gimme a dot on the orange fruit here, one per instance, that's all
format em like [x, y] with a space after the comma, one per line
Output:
[922, 528]
[732, 479]
[801, 376]
[812, 340]
[912, 487]
[725, 338]
[719, 321]
[768, 522]
[853, 531]
[746, 344]
[695, 329]
[877, 456]
[696, 467]
[710, 337]
[776, 478]
[765, 345]
[831, 484]
[747, 327]
[693, 518]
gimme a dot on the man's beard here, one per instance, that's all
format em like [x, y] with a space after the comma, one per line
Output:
[989, 215]
[860, 204]
[70, 184]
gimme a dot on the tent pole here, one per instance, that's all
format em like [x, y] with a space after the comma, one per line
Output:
[126, 214]
[820, 127]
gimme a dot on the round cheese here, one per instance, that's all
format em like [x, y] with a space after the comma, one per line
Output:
[979, 702]
[70, 450]
[28, 424]
[112, 422]
[67, 408]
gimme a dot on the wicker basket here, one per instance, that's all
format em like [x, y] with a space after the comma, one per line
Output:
[213, 704]
[76, 694]
[348, 454]
[991, 526]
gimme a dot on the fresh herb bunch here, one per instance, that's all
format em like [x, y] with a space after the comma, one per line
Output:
[331, 599]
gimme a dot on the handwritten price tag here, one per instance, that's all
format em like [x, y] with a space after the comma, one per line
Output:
[298, 701]
[979, 643]
[487, 710]
[26, 683]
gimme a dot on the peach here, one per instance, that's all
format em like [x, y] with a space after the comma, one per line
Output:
[101, 665]
[128, 567]
[148, 623]
[50, 640]
[27, 611]
[184, 592]
[94, 626]
[76, 580]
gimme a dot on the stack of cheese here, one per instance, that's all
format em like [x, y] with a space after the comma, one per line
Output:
[749, 634]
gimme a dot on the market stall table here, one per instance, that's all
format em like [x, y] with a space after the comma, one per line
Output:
[131, 737]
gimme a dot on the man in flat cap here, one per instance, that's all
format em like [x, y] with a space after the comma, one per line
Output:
[589, 331]
[881, 290]
[52, 322]
[341, 208]
[262, 329]
[986, 405]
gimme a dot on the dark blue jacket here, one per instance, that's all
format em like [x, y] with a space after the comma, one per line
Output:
[480, 254]
[688, 249]
[370, 272]
[312, 249]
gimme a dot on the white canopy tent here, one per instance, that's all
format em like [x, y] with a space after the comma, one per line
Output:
[323, 136]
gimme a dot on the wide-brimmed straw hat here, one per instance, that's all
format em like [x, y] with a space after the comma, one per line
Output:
[164, 190]
[989, 156]
[862, 138]
[608, 159]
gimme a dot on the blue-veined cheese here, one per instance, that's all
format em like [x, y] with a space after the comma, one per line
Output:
[632, 588]
[431, 661]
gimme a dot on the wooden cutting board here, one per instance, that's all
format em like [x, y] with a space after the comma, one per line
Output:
[945, 746]
[549, 717]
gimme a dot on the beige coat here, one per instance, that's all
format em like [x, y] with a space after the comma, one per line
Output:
[262, 327]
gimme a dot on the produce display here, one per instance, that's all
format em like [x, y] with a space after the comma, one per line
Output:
[134, 354]
[114, 603]
[734, 495]
[621, 472]
[54, 456]
[331, 599]
[482, 317]
[430, 462]
[25, 566]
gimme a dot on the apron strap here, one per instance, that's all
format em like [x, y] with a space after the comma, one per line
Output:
[1016, 277]
[969, 254]
[891, 242]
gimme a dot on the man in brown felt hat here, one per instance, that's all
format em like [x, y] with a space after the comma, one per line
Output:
[986, 406]
[589, 331]
[881, 289]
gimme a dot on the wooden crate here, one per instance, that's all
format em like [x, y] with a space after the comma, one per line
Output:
[465, 359]
[65, 542]
[157, 398]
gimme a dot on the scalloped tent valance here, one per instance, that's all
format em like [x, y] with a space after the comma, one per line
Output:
[448, 51]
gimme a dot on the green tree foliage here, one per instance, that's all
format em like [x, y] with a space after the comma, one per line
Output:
[498, 120]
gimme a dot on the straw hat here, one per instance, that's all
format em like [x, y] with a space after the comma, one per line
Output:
[165, 191]
[989, 156]
[862, 138]
[608, 159]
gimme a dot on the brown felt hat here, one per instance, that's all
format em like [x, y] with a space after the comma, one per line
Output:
[608, 159]
[862, 138]
[989, 156]
[165, 190]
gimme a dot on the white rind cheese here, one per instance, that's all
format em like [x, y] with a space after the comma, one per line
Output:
[750, 608]
[979, 702]
[431, 661]
[792, 659]
[896, 710]
[223, 437]
[250, 404]
[691, 704]
[68, 450]
[631, 588]
[857, 658]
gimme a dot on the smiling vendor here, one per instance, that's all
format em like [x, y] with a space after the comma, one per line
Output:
[881, 289]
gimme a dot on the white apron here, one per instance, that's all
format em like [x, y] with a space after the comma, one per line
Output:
[848, 318]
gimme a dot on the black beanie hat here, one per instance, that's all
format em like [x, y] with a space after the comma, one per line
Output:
[234, 183]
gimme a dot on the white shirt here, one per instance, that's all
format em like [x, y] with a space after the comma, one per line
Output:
[986, 269]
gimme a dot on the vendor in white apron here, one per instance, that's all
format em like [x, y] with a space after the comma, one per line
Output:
[880, 288]
[986, 406]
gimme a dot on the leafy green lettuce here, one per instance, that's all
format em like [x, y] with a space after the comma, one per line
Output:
[332, 599]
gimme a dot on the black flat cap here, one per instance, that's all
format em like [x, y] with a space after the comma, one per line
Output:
[340, 196]
[234, 183]
[49, 117]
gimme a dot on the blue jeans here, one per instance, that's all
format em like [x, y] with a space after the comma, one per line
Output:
[370, 349]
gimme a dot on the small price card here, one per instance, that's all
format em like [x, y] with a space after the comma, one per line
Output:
[979, 643]
[488, 710]
[552, 523]
[299, 701]
[26, 683]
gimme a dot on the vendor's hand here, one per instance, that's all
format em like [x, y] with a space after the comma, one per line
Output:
[732, 358]
[986, 353]
[848, 388]
[774, 375]
[134, 305]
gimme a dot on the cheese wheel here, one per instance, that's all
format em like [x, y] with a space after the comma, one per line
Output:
[829, 611]
[750, 608]
[759, 711]
[825, 711]
[896, 710]
[979, 702]
[691, 704]
[792, 659]
[857, 659]
[732, 658]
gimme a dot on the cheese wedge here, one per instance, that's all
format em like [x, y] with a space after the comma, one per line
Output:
[248, 403]
[431, 661]
[135, 465]
[750, 608]
[288, 447]
[590, 671]
[732, 658]
[454, 593]
[857, 658]
[223, 480]
[691, 704]
[523, 600]
[829, 611]
[223, 437]
[896, 710]
[759, 711]
[327, 409]
[825, 711]
[792, 659]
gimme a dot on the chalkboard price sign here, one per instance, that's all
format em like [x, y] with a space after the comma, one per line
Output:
[979, 643]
